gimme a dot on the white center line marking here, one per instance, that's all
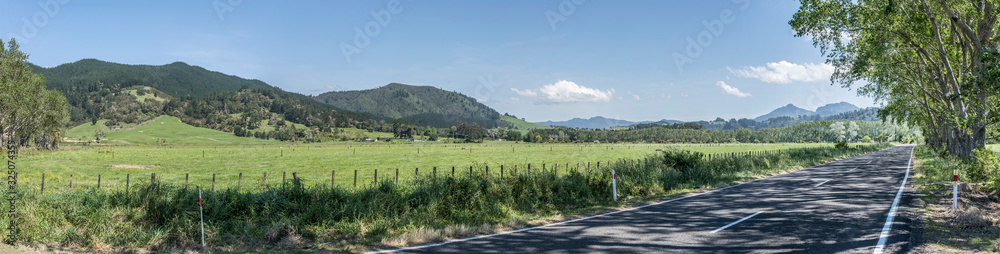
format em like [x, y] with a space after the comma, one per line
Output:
[822, 183]
[734, 223]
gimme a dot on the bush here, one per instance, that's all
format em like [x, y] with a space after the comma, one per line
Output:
[984, 167]
[840, 145]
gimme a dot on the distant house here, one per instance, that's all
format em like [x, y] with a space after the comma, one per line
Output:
[369, 140]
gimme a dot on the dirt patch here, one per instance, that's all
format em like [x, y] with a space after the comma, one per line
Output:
[132, 166]
[974, 228]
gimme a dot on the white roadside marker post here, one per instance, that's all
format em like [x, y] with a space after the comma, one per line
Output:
[614, 185]
[954, 191]
[201, 210]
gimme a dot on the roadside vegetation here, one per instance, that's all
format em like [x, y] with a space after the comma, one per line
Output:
[975, 227]
[162, 216]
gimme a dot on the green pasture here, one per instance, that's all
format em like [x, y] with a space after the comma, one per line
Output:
[522, 125]
[315, 163]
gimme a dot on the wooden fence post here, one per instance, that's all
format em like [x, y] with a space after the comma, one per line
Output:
[213, 182]
[239, 182]
[434, 172]
[376, 176]
[397, 175]
[452, 170]
[333, 179]
[70, 181]
[126, 183]
[152, 178]
[355, 178]
[416, 171]
[487, 171]
[529, 168]
[186, 177]
[98, 181]
[43, 184]
[262, 188]
[501, 171]
[470, 171]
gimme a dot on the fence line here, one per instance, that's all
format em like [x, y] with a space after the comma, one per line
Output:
[588, 166]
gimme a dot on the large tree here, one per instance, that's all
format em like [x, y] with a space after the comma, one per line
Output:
[28, 112]
[933, 63]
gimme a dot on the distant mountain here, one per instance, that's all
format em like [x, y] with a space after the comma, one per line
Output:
[788, 110]
[835, 109]
[823, 111]
[423, 105]
[599, 122]
[177, 79]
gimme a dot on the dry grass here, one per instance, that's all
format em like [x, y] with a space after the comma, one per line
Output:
[974, 228]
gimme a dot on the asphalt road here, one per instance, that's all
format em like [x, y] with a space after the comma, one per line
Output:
[838, 207]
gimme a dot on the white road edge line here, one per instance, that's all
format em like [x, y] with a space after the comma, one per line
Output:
[884, 236]
[557, 223]
[821, 183]
[734, 223]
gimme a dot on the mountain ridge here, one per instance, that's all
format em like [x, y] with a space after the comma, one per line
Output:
[424, 105]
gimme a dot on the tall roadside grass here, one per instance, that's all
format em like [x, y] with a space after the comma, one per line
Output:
[164, 217]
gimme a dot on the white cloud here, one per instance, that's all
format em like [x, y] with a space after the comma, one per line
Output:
[515, 99]
[482, 100]
[784, 72]
[636, 96]
[731, 90]
[565, 91]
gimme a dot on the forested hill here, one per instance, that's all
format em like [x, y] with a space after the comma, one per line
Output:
[177, 79]
[423, 105]
[131, 94]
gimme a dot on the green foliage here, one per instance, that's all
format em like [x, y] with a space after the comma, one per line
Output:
[984, 167]
[818, 131]
[423, 105]
[28, 112]
[840, 145]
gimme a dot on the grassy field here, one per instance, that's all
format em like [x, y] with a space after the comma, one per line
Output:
[314, 163]
[522, 125]
[144, 97]
[167, 128]
[162, 217]
[995, 148]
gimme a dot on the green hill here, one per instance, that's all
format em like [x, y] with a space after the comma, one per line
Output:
[177, 79]
[423, 105]
[522, 125]
[161, 130]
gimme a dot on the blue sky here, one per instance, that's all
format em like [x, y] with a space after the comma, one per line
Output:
[539, 60]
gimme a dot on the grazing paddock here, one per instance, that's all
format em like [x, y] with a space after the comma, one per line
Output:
[314, 163]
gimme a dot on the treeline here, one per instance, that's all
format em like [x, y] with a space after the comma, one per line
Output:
[817, 131]
[867, 114]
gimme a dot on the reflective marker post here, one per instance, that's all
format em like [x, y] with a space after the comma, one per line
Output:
[201, 210]
[954, 192]
[614, 185]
